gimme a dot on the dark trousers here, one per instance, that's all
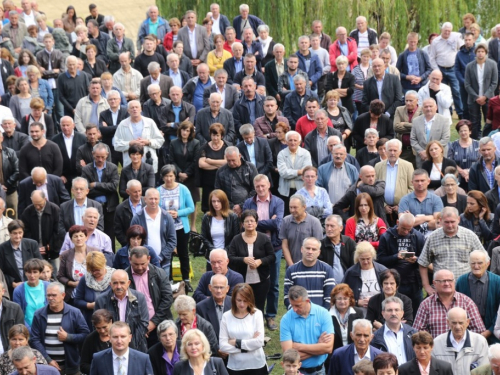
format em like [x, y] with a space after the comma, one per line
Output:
[182, 253]
[475, 111]
[464, 95]
[286, 200]
[109, 222]
[274, 286]
[204, 198]
[451, 80]
[260, 292]
[414, 292]
[407, 154]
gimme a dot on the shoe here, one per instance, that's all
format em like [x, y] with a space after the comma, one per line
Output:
[178, 289]
[271, 325]
[188, 287]
[266, 340]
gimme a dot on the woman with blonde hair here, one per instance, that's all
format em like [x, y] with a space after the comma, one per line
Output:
[40, 88]
[38, 114]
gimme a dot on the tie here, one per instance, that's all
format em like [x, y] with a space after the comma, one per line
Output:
[121, 367]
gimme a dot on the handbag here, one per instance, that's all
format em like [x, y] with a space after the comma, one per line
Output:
[196, 244]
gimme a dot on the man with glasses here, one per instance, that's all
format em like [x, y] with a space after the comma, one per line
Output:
[154, 106]
[431, 315]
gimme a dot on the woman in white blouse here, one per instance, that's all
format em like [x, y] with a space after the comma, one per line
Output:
[242, 334]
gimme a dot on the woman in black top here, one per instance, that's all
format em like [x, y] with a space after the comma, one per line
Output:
[375, 119]
[343, 82]
[137, 170]
[436, 163]
[98, 340]
[94, 67]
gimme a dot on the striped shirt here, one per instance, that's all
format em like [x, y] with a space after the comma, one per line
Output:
[318, 281]
[54, 347]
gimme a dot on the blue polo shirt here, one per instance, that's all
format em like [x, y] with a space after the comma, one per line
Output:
[307, 330]
[432, 203]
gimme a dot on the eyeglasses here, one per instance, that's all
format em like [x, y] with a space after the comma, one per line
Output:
[446, 281]
[449, 185]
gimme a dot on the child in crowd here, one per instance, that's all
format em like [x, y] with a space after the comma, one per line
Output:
[47, 272]
[363, 367]
[291, 362]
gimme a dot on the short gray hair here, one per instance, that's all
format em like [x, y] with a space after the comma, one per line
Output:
[100, 146]
[113, 93]
[393, 299]
[449, 211]
[38, 169]
[293, 132]
[482, 252]
[218, 251]
[153, 66]
[220, 72]
[184, 303]
[485, 140]
[362, 323]
[371, 131]
[218, 275]
[447, 176]
[91, 209]
[247, 129]
[232, 150]
[407, 218]
[132, 183]
[80, 179]
[263, 27]
[166, 324]
[22, 352]
[392, 142]
[296, 292]
[56, 284]
[411, 92]
[493, 352]
[153, 86]
[278, 45]
[299, 198]
[299, 77]
[335, 217]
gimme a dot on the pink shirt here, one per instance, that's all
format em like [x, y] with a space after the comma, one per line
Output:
[122, 307]
[263, 210]
[141, 285]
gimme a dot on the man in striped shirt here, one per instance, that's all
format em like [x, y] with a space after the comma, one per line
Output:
[312, 274]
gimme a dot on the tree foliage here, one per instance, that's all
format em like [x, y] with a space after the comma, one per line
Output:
[289, 19]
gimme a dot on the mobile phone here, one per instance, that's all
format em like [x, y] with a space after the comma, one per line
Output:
[408, 254]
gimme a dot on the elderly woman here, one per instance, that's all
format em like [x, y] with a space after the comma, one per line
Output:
[242, 334]
[31, 42]
[317, 199]
[251, 254]
[97, 280]
[342, 82]
[476, 30]
[476, 217]
[452, 198]
[211, 159]
[73, 261]
[136, 236]
[436, 163]
[171, 37]
[423, 343]
[465, 150]
[185, 307]
[216, 57]
[20, 103]
[176, 199]
[376, 119]
[40, 88]
[365, 225]
[165, 354]
[267, 44]
[39, 115]
[278, 144]
[138, 170]
[340, 116]
[343, 313]
[360, 73]
[364, 275]
[18, 336]
[183, 153]
[389, 280]
[196, 356]
[94, 67]
[97, 340]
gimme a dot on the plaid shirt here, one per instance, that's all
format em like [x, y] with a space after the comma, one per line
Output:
[490, 175]
[450, 253]
[431, 315]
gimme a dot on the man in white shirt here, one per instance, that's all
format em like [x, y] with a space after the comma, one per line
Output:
[440, 92]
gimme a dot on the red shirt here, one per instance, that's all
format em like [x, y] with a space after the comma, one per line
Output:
[494, 112]
[304, 125]
[228, 48]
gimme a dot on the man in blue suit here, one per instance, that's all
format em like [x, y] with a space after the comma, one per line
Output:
[25, 362]
[120, 359]
[345, 357]
[255, 150]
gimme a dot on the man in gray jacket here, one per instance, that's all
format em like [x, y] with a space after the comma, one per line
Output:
[214, 114]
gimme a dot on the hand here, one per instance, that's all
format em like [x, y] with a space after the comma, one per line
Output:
[92, 185]
[274, 217]
[173, 214]
[42, 250]
[395, 208]
[481, 100]
[324, 338]
[482, 213]
[363, 302]
[416, 80]
[62, 335]
[82, 163]
[278, 97]
[310, 83]
[151, 327]
[376, 324]
[486, 334]
[104, 123]
[261, 90]
[90, 305]
[223, 354]
[256, 334]
[53, 363]
[237, 209]
[412, 259]
[359, 183]
[15, 285]
[410, 77]
[232, 342]
[249, 260]
[434, 87]
[423, 155]
[430, 290]
[183, 176]
[4, 188]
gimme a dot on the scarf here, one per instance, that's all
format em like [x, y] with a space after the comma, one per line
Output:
[102, 285]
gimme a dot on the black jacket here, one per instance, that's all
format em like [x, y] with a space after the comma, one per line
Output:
[384, 127]
[69, 165]
[50, 227]
[230, 69]
[107, 186]
[352, 277]
[67, 215]
[293, 110]
[230, 93]
[461, 203]
[372, 36]
[492, 196]
[11, 314]
[428, 165]
[311, 142]
[167, 114]
[228, 178]
[160, 292]
[16, 142]
[6, 71]
[380, 343]
[156, 358]
[10, 169]
[98, 69]
[347, 248]
[49, 124]
[123, 217]
[204, 327]
[241, 113]
[184, 163]
[392, 94]
[84, 152]
[477, 176]
[231, 229]
[271, 76]
[347, 83]
[108, 132]
[263, 155]
[374, 311]
[145, 175]
[55, 189]
[206, 309]
[337, 342]
[262, 249]
[213, 367]
[204, 119]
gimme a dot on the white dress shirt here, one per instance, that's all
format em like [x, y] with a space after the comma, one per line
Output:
[68, 141]
[124, 362]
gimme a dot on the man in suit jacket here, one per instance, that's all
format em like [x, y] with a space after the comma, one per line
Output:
[72, 211]
[218, 19]
[69, 136]
[241, 110]
[205, 117]
[124, 214]
[234, 65]
[244, 20]
[198, 52]
[179, 77]
[11, 262]
[231, 94]
[402, 124]
[24, 360]
[324, 132]
[440, 91]
[255, 150]
[212, 308]
[390, 94]
[421, 134]
[132, 361]
[342, 359]
[252, 46]
[154, 75]
[295, 102]
[479, 95]
[40, 180]
[273, 69]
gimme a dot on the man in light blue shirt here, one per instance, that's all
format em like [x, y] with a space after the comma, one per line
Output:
[173, 71]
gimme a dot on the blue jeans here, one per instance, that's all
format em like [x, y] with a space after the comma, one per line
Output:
[451, 80]
[274, 287]
[319, 372]
[166, 268]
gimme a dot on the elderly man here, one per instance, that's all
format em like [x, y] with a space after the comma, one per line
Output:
[296, 227]
[481, 81]
[193, 90]
[493, 366]
[215, 114]
[403, 124]
[273, 70]
[152, 217]
[463, 349]
[307, 123]
[229, 94]
[397, 174]
[363, 35]
[165, 82]
[250, 69]
[84, 152]
[331, 143]
[394, 336]
[127, 79]
[234, 65]
[127, 209]
[126, 305]
[308, 328]
[345, 357]
[265, 126]
[236, 178]
[101, 37]
[253, 46]
[325, 39]
[140, 130]
[442, 53]
[481, 286]
[431, 315]
[219, 21]
[72, 86]
[345, 46]
[249, 107]
[118, 45]
[24, 360]
[153, 24]
[154, 106]
[195, 39]
[255, 150]
[15, 31]
[58, 331]
[148, 56]
[245, 19]
[153, 282]
[51, 185]
[295, 102]
[432, 126]
[90, 107]
[438, 91]
[13, 139]
[368, 183]
[179, 77]
[383, 86]
[413, 65]
[315, 276]
[337, 176]
[482, 172]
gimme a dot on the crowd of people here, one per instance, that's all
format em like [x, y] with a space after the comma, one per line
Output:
[106, 143]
